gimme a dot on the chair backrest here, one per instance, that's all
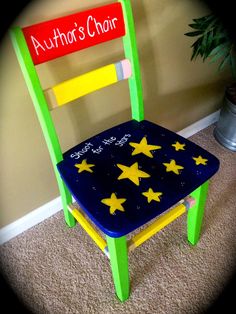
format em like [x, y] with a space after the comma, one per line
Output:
[55, 38]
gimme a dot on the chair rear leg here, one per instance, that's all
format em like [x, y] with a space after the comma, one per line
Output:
[66, 200]
[118, 251]
[195, 214]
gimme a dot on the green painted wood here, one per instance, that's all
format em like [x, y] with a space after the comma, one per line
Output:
[131, 53]
[195, 214]
[118, 251]
[44, 116]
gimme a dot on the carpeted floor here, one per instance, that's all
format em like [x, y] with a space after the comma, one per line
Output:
[54, 269]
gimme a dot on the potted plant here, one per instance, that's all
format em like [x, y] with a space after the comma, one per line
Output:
[213, 42]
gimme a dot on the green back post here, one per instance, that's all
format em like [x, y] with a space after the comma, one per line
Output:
[131, 53]
[41, 108]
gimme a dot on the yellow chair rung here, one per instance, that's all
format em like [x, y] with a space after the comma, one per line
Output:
[155, 227]
[87, 83]
[101, 243]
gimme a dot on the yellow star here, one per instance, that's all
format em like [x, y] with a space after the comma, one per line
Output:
[200, 161]
[84, 166]
[114, 203]
[178, 146]
[143, 148]
[173, 167]
[132, 173]
[152, 196]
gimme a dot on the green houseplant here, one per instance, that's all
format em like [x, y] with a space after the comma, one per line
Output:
[212, 42]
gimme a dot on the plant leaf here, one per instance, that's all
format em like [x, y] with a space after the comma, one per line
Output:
[213, 42]
[203, 18]
[192, 34]
[221, 54]
[233, 64]
[205, 46]
[196, 48]
[224, 62]
[219, 49]
[195, 26]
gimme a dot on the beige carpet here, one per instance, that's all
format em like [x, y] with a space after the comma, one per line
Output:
[58, 270]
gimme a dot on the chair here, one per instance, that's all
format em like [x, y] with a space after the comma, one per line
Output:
[136, 174]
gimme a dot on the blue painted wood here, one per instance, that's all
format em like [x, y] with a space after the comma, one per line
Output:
[111, 147]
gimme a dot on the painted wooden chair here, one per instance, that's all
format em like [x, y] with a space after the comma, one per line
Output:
[134, 174]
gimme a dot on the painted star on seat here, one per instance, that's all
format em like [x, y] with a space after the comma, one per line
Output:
[84, 166]
[143, 148]
[152, 196]
[200, 161]
[178, 146]
[132, 173]
[172, 166]
[114, 203]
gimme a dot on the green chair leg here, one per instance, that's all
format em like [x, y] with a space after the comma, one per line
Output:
[117, 248]
[195, 214]
[66, 199]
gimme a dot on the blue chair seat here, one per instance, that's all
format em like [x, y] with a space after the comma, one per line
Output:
[127, 175]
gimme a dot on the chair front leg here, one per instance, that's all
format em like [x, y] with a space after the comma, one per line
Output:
[195, 214]
[118, 252]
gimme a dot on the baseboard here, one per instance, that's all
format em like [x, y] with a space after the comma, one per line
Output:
[200, 125]
[40, 214]
[33, 218]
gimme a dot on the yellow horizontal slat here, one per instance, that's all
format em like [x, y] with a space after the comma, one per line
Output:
[101, 243]
[156, 226]
[84, 84]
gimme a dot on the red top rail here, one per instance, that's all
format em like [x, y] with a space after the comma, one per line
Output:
[58, 37]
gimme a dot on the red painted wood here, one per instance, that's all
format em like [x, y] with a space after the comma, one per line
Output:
[58, 37]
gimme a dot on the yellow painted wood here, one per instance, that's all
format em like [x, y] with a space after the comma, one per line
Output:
[51, 99]
[159, 224]
[101, 243]
[84, 84]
